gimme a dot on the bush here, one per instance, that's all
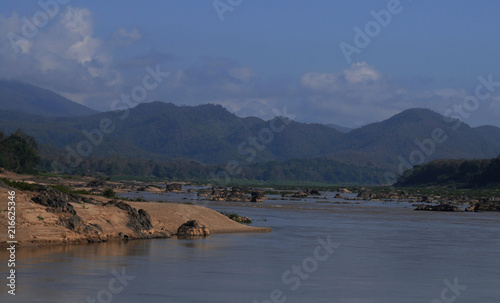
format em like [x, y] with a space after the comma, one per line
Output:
[109, 193]
[236, 217]
[21, 185]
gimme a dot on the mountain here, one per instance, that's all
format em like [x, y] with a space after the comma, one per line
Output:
[341, 129]
[212, 135]
[490, 132]
[409, 136]
[31, 99]
[206, 133]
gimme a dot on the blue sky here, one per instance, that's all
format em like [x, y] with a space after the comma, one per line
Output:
[264, 55]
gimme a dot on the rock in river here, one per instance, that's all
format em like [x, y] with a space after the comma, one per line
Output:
[192, 229]
[439, 207]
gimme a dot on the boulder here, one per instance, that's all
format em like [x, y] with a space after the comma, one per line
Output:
[343, 190]
[173, 187]
[484, 205]
[192, 229]
[235, 194]
[257, 196]
[96, 183]
[313, 192]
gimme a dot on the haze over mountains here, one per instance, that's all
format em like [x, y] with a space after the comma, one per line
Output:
[211, 134]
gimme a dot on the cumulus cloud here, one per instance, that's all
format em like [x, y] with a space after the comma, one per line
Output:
[64, 55]
[361, 73]
[358, 74]
[361, 94]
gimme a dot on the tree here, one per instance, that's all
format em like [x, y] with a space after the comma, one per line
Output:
[19, 153]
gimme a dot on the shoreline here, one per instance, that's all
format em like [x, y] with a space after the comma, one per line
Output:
[70, 219]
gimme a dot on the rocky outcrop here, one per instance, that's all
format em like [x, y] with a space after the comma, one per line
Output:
[139, 221]
[235, 194]
[367, 194]
[76, 224]
[313, 192]
[297, 194]
[96, 183]
[343, 190]
[192, 229]
[439, 207]
[484, 204]
[56, 201]
[257, 196]
[59, 203]
[173, 187]
[302, 193]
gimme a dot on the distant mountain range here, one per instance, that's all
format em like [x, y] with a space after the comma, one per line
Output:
[210, 134]
[15, 95]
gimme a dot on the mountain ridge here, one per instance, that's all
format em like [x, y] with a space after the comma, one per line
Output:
[211, 134]
[27, 98]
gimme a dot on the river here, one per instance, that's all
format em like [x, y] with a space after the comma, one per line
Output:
[319, 251]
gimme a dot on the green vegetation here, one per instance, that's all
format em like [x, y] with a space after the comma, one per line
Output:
[454, 174]
[158, 132]
[109, 193]
[322, 171]
[18, 153]
[22, 185]
[67, 190]
[161, 141]
[237, 218]
[447, 191]
[40, 218]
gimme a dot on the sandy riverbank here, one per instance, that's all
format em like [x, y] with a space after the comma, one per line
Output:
[38, 224]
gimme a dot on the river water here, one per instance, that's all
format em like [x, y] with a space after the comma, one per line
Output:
[319, 251]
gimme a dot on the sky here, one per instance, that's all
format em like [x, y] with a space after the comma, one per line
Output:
[344, 62]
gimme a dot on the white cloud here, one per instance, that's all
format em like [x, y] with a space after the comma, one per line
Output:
[125, 38]
[242, 74]
[360, 73]
[357, 75]
[64, 56]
